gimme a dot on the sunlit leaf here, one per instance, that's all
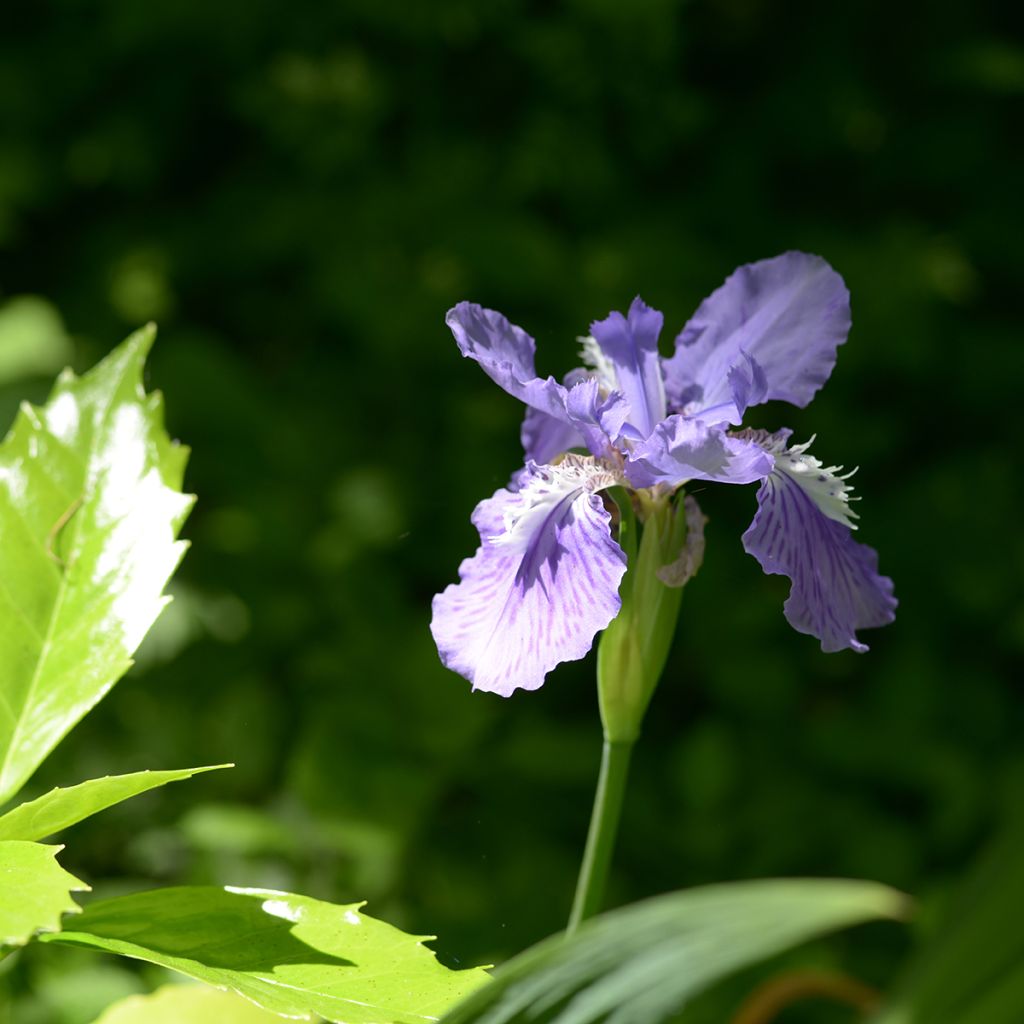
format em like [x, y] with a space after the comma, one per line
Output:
[90, 506]
[186, 1004]
[641, 964]
[290, 954]
[34, 891]
[60, 808]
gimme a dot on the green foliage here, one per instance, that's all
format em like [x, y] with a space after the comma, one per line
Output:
[90, 506]
[32, 339]
[970, 970]
[194, 1004]
[302, 207]
[34, 891]
[641, 964]
[290, 954]
[60, 808]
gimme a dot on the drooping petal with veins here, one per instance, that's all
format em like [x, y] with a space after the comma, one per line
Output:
[802, 530]
[681, 449]
[543, 582]
[789, 314]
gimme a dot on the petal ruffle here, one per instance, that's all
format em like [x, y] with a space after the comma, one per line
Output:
[784, 316]
[630, 344]
[561, 416]
[505, 353]
[681, 449]
[800, 531]
[543, 582]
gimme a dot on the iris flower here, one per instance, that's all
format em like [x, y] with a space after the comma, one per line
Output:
[545, 579]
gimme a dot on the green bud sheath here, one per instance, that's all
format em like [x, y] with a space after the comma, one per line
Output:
[633, 649]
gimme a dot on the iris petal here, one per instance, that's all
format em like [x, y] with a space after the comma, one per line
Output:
[630, 344]
[798, 532]
[681, 449]
[543, 582]
[787, 315]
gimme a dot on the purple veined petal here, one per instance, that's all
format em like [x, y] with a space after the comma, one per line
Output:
[630, 343]
[505, 353]
[789, 314]
[681, 449]
[543, 582]
[802, 530]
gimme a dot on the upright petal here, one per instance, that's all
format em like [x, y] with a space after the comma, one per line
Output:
[802, 530]
[505, 352]
[681, 449]
[597, 415]
[787, 315]
[630, 343]
[543, 582]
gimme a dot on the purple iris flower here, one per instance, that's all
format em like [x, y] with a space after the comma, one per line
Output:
[546, 576]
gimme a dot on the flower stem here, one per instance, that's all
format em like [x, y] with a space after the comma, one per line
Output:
[604, 825]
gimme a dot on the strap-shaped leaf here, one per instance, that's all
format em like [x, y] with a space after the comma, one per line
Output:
[971, 968]
[90, 508]
[186, 1004]
[289, 954]
[34, 891]
[645, 962]
[60, 808]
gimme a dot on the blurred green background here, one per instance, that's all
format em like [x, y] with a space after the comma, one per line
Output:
[297, 193]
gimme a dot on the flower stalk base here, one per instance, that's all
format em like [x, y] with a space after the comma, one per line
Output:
[604, 825]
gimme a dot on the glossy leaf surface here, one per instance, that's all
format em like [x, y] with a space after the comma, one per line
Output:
[90, 508]
[35, 891]
[641, 964]
[290, 954]
[186, 1004]
[60, 808]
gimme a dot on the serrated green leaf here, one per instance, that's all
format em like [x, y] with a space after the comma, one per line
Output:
[34, 891]
[645, 962]
[90, 506]
[186, 1004]
[289, 954]
[60, 808]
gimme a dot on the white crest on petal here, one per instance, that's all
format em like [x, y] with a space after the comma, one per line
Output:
[601, 366]
[825, 485]
[545, 488]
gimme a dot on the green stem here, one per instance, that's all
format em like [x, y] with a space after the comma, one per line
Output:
[604, 825]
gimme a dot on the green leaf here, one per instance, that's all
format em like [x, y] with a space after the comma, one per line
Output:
[194, 1004]
[34, 891]
[640, 964]
[289, 954]
[90, 506]
[971, 971]
[63, 807]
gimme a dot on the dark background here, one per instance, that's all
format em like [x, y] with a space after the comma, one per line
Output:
[297, 193]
